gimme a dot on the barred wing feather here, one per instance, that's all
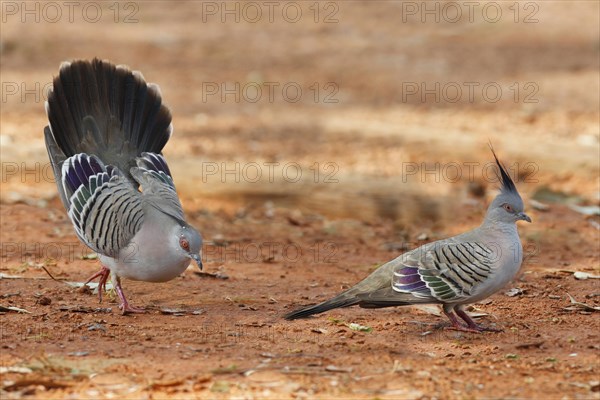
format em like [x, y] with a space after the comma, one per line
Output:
[105, 208]
[446, 272]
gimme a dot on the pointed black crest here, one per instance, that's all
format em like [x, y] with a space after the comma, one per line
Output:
[508, 186]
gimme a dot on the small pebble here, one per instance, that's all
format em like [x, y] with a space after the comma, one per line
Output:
[45, 301]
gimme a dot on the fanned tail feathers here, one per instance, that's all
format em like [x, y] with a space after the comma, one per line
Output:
[106, 111]
[99, 108]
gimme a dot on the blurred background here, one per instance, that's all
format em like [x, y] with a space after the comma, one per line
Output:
[361, 109]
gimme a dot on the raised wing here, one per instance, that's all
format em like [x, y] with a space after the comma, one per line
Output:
[153, 174]
[445, 272]
[105, 208]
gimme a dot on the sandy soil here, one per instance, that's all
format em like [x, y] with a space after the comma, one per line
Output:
[344, 187]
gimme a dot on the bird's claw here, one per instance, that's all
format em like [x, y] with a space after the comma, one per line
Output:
[461, 328]
[127, 309]
[104, 273]
[471, 325]
[487, 329]
[473, 328]
[124, 306]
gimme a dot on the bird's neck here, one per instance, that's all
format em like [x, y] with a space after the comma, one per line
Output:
[497, 227]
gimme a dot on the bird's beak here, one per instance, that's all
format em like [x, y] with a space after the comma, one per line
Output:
[523, 216]
[198, 260]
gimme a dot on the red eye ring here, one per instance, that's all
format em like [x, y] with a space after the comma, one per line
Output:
[507, 207]
[184, 244]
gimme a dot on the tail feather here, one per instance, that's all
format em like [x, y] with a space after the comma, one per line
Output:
[363, 300]
[343, 300]
[375, 291]
[106, 110]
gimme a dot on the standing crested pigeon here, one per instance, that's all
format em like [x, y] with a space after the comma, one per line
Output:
[453, 272]
[106, 131]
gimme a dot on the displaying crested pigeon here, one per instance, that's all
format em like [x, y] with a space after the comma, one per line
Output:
[452, 272]
[106, 131]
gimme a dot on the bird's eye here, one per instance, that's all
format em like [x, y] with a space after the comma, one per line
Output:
[183, 242]
[507, 207]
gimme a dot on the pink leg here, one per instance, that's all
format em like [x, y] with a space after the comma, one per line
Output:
[103, 274]
[472, 324]
[125, 307]
[456, 325]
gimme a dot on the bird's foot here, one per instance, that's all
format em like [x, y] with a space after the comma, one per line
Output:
[126, 308]
[474, 328]
[461, 328]
[104, 273]
[487, 329]
[473, 325]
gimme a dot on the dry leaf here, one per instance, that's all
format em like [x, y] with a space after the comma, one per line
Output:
[14, 309]
[575, 305]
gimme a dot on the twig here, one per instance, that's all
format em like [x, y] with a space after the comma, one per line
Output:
[50, 275]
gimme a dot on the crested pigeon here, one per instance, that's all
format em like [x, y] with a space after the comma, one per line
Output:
[107, 128]
[453, 272]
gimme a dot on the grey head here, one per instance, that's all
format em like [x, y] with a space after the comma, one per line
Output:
[183, 240]
[508, 206]
[189, 242]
